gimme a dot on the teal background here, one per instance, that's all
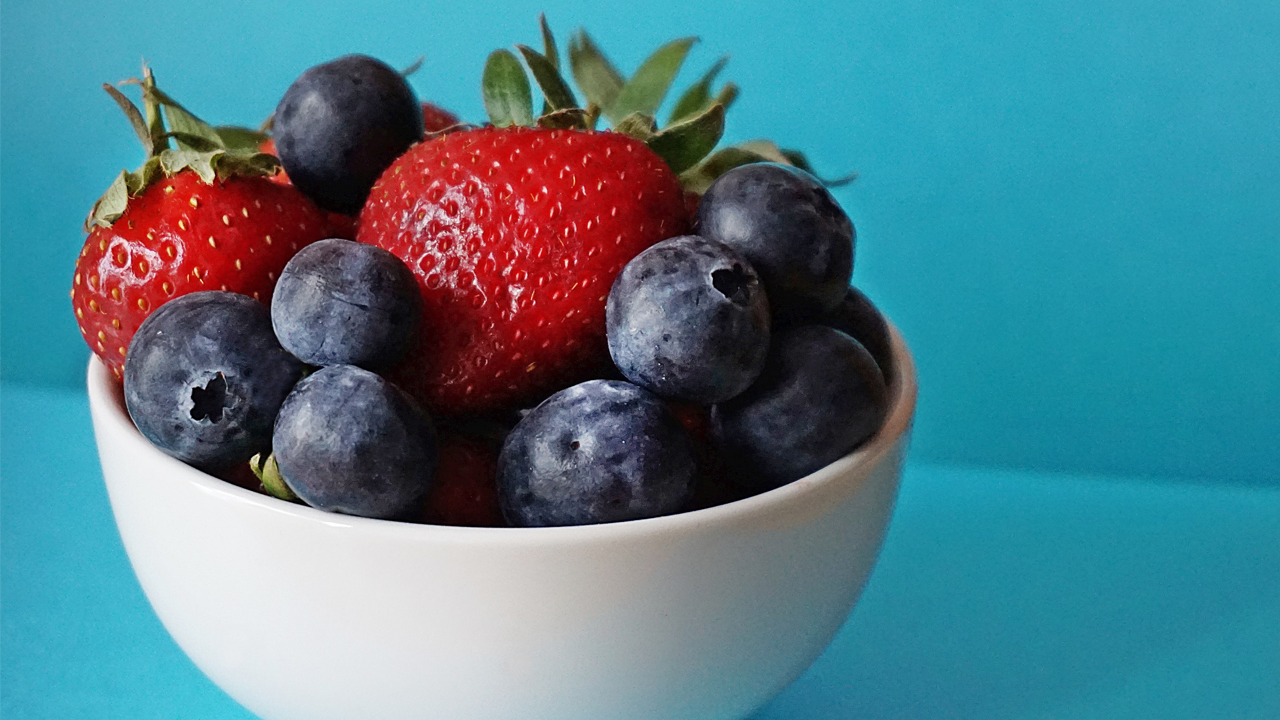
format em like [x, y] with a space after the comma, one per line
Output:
[1071, 208]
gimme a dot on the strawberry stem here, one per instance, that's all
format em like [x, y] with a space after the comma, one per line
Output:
[210, 153]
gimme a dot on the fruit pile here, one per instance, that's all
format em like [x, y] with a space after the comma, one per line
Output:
[378, 310]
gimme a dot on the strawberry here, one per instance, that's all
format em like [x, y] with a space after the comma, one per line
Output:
[465, 490]
[691, 202]
[191, 219]
[436, 119]
[517, 231]
[268, 146]
[515, 236]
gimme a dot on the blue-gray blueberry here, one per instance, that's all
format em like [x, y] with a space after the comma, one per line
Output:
[340, 302]
[204, 378]
[859, 318]
[340, 125]
[791, 230]
[688, 319]
[598, 452]
[348, 441]
[820, 396]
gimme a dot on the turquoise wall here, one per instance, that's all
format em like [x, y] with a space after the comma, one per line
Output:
[1072, 209]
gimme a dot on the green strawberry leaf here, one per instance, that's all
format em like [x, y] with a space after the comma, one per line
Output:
[139, 179]
[414, 66]
[151, 108]
[113, 202]
[246, 164]
[598, 79]
[767, 150]
[210, 153]
[645, 91]
[195, 143]
[135, 117]
[198, 161]
[727, 95]
[698, 178]
[684, 144]
[182, 123]
[507, 98]
[111, 205]
[549, 43]
[697, 98]
[637, 125]
[218, 163]
[797, 158]
[772, 153]
[557, 94]
[240, 138]
[272, 481]
[593, 115]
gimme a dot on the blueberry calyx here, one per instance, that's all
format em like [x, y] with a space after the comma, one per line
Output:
[733, 284]
[208, 402]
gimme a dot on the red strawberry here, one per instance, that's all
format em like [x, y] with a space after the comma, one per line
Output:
[182, 235]
[466, 490]
[436, 118]
[268, 146]
[691, 202]
[167, 231]
[516, 235]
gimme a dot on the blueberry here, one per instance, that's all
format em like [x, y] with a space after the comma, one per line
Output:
[786, 223]
[598, 452]
[858, 317]
[204, 377]
[340, 302]
[348, 441]
[819, 397]
[340, 125]
[688, 319]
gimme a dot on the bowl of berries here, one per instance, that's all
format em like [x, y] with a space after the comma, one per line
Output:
[402, 417]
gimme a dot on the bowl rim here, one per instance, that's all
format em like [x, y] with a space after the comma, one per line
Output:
[107, 405]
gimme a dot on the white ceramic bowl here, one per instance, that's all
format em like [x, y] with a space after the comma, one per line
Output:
[304, 615]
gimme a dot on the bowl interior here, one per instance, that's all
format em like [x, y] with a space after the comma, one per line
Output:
[106, 396]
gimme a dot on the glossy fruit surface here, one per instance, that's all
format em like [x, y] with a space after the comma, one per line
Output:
[434, 120]
[859, 318]
[821, 395]
[790, 228]
[688, 319]
[515, 236]
[340, 302]
[182, 235]
[340, 125]
[348, 441]
[598, 452]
